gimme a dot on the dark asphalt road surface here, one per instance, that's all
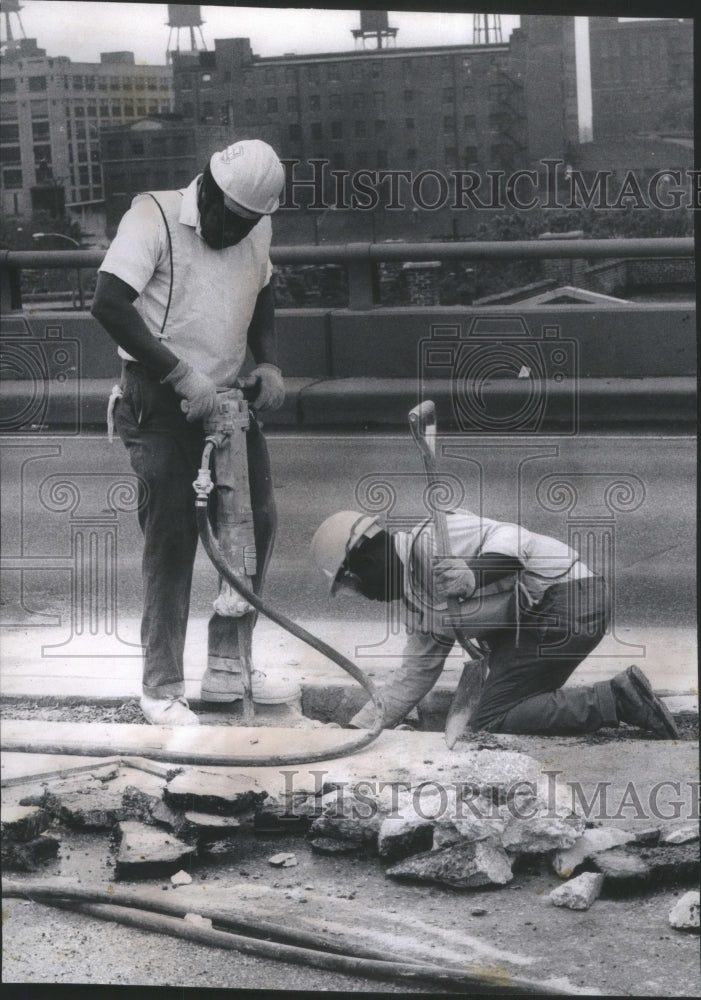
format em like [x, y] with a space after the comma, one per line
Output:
[634, 495]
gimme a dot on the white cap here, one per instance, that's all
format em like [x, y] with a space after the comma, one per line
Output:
[250, 174]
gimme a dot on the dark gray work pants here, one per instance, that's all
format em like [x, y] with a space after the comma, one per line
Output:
[165, 452]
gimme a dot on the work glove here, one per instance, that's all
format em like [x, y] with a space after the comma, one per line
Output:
[198, 391]
[452, 577]
[272, 387]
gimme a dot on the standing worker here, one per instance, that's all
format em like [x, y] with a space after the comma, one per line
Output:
[532, 602]
[184, 289]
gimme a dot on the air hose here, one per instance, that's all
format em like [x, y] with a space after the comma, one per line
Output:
[217, 557]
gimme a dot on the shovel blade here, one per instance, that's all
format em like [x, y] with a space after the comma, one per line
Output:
[467, 694]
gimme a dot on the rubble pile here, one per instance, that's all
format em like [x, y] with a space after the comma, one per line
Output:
[502, 819]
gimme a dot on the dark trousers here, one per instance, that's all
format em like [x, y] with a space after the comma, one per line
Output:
[165, 452]
[523, 692]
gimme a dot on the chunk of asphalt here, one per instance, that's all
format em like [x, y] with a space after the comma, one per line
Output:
[22, 823]
[579, 893]
[684, 915]
[149, 852]
[328, 845]
[468, 865]
[204, 791]
[30, 855]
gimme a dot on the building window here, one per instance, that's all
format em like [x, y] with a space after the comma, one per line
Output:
[140, 109]
[448, 123]
[313, 74]
[152, 83]
[104, 109]
[314, 102]
[358, 101]
[207, 112]
[360, 129]
[290, 74]
[271, 105]
[448, 95]
[137, 84]
[12, 178]
[295, 132]
[96, 175]
[292, 104]
[469, 122]
[189, 109]
[92, 109]
[468, 92]
[8, 85]
[89, 82]
[269, 75]
[37, 83]
[40, 131]
[333, 72]
[380, 101]
[316, 131]
[79, 111]
[77, 83]
[116, 109]
[9, 111]
[102, 83]
[39, 109]
[336, 130]
[10, 132]
[334, 102]
[10, 154]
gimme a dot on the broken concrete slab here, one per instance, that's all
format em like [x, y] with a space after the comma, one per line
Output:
[565, 863]
[22, 823]
[87, 808]
[205, 828]
[139, 805]
[623, 870]
[149, 852]
[684, 915]
[180, 878]
[468, 865]
[29, 855]
[672, 864]
[357, 831]
[681, 834]
[213, 792]
[647, 835]
[541, 833]
[579, 893]
[400, 837]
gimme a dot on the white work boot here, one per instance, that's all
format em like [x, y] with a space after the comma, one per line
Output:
[269, 687]
[168, 711]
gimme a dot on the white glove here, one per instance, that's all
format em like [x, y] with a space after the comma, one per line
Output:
[452, 577]
[198, 391]
[272, 387]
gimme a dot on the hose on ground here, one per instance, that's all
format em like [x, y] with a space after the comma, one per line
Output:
[218, 559]
[165, 917]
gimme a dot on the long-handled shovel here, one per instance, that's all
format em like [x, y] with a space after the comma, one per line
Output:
[422, 422]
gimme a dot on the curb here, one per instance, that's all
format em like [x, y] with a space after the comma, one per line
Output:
[592, 404]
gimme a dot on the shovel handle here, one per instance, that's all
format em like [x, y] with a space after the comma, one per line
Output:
[422, 423]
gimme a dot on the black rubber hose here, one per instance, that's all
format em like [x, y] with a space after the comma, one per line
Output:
[213, 550]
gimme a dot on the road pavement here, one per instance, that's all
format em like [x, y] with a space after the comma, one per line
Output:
[72, 548]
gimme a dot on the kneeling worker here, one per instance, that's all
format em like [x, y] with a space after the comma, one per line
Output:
[542, 612]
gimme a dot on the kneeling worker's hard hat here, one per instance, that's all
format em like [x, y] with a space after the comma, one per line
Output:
[250, 174]
[336, 537]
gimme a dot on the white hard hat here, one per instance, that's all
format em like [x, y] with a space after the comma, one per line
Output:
[249, 172]
[336, 537]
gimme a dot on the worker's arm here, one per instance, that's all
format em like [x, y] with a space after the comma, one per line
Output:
[263, 346]
[113, 308]
[456, 577]
[423, 660]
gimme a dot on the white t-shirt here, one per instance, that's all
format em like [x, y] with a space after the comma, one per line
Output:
[214, 292]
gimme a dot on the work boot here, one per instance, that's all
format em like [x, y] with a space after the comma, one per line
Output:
[638, 705]
[268, 687]
[168, 711]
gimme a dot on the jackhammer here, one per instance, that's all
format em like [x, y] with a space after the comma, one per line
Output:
[232, 550]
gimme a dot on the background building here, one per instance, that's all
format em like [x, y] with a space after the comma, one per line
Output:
[52, 112]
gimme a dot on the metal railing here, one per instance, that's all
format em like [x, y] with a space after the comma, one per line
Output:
[361, 259]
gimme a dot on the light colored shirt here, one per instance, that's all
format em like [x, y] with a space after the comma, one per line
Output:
[214, 292]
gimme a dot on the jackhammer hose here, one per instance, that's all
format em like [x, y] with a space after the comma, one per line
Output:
[214, 551]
